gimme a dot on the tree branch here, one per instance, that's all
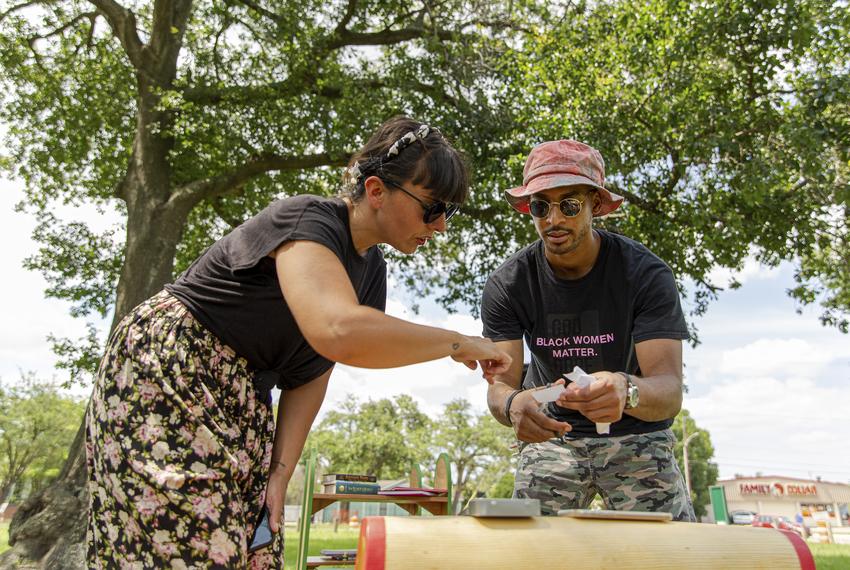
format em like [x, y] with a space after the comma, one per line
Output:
[202, 95]
[631, 197]
[487, 214]
[169, 24]
[389, 37]
[85, 15]
[262, 11]
[218, 208]
[280, 89]
[216, 56]
[198, 190]
[676, 172]
[501, 25]
[123, 24]
[23, 5]
[346, 18]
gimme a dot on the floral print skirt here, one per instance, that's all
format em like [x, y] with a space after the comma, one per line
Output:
[178, 448]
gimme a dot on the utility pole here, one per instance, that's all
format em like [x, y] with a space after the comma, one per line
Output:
[686, 439]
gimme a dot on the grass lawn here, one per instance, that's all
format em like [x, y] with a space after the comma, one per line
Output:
[831, 556]
[322, 536]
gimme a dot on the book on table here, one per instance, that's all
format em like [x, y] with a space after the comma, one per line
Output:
[405, 491]
[351, 488]
[334, 477]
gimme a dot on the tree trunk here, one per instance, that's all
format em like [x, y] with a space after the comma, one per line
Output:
[457, 505]
[49, 529]
[5, 491]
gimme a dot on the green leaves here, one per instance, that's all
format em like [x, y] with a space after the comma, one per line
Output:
[703, 472]
[79, 265]
[384, 437]
[381, 437]
[37, 425]
[697, 109]
[479, 448]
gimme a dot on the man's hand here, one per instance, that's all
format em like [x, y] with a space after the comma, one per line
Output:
[530, 424]
[601, 402]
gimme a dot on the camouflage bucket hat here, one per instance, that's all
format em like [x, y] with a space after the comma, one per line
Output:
[563, 163]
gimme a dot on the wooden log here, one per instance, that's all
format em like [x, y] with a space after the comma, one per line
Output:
[550, 543]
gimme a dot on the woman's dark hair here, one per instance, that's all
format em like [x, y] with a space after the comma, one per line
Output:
[429, 161]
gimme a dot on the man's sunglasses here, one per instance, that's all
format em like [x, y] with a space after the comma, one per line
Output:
[432, 211]
[570, 207]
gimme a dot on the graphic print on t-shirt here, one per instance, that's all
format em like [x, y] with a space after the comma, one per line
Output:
[573, 340]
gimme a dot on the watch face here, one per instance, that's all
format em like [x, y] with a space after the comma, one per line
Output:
[634, 396]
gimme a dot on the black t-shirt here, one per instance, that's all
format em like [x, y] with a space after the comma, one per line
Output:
[233, 290]
[593, 322]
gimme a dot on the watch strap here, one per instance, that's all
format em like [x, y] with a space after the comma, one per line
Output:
[629, 388]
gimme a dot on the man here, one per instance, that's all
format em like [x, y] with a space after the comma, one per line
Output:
[589, 298]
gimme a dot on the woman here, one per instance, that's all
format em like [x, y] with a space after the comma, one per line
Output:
[182, 447]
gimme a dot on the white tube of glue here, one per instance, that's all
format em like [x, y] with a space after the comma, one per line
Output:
[582, 379]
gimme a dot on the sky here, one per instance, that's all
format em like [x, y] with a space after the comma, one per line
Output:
[770, 386]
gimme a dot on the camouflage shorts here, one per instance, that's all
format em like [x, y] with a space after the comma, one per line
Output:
[631, 473]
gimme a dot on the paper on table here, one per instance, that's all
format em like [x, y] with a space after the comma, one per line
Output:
[582, 379]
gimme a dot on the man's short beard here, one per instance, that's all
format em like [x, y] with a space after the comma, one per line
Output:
[571, 247]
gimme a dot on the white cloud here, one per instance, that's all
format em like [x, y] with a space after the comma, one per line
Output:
[431, 384]
[27, 316]
[788, 357]
[790, 427]
[751, 271]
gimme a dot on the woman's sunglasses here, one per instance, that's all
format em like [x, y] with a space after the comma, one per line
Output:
[570, 207]
[431, 212]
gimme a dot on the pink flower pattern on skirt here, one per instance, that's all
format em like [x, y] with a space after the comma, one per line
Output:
[171, 409]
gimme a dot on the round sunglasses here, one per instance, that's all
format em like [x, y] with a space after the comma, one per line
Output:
[570, 207]
[431, 212]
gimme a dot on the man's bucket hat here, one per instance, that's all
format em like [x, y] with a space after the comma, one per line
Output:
[563, 163]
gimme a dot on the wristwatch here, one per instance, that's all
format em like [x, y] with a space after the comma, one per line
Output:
[632, 392]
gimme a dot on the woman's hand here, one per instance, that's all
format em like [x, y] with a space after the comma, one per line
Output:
[276, 494]
[475, 350]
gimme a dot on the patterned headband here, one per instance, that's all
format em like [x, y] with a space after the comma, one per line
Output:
[357, 170]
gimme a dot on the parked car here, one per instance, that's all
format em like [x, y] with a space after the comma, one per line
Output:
[765, 521]
[782, 523]
[742, 517]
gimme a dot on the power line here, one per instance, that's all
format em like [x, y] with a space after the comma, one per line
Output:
[784, 464]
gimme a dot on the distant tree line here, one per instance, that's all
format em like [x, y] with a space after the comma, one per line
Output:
[37, 426]
[385, 437]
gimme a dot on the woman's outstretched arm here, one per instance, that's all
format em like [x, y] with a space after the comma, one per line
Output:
[320, 296]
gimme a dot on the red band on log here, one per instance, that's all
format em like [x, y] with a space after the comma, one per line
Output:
[372, 551]
[807, 562]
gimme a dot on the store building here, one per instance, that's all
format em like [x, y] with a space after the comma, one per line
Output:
[815, 502]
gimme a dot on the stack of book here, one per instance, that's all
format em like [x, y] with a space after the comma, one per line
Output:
[350, 484]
